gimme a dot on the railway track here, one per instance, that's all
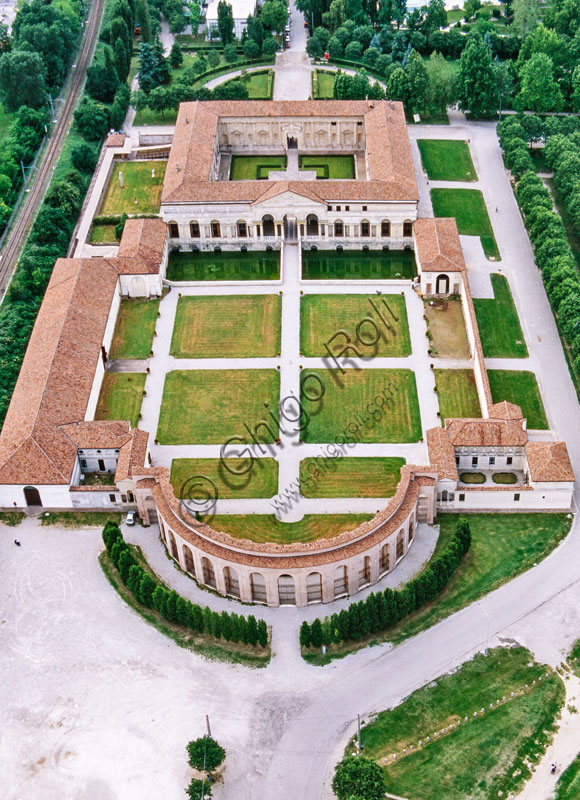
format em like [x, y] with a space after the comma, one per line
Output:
[17, 236]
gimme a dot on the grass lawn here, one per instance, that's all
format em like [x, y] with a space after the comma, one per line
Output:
[11, 518]
[488, 756]
[502, 546]
[134, 329]
[103, 233]
[539, 158]
[260, 85]
[266, 528]
[454, 15]
[447, 328]
[522, 389]
[138, 185]
[447, 160]
[331, 167]
[210, 327]
[253, 168]
[348, 405]
[121, 396]
[323, 315]
[260, 481]
[498, 323]
[206, 266]
[146, 116]
[358, 264]
[468, 208]
[568, 787]
[457, 393]
[325, 89]
[79, 519]
[350, 477]
[209, 406]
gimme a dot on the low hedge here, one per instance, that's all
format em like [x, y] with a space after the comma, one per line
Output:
[204, 77]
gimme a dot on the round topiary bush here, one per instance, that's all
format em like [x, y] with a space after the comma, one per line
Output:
[205, 754]
[194, 790]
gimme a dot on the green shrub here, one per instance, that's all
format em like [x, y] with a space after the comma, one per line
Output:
[205, 754]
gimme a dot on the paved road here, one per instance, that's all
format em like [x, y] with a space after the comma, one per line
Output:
[19, 233]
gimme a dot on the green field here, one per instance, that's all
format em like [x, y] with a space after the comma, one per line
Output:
[522, 389]
[258, 266]
[358, 264]
[134, 329]
[331, 167]
[103, 233]
[325, 81]
[485, 756]
[266, 528]
[323, 315]
[350, 476]
[253, 168]
[498, 323]
[457, 393]
[260, 84]
[141, 193]
[209, 327]
[468, 208]
[260, 480]
[446, 160]
[121, 396]
[348, 406]
[210, 406]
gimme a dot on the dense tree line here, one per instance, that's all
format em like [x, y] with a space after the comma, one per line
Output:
[174, 608]
[382, 610]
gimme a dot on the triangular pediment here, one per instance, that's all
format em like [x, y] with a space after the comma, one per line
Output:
[289, 199]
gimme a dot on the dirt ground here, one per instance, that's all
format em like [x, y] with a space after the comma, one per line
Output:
[446, 325]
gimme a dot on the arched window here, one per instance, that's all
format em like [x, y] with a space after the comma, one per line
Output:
[208, 572]
[232, 582]
[364, 575]
[314, 588]
[339, 228]
[400, 544]
[385, 228]
[173, 547]
[411, 530]
[268, 225]
[188, 558]
[384, 564]
[242, 229]
[194, 230]
[365, 228]
[258, 587]
[407, 228]
[340, 581]
[286, 590]
[312, 225]
[216, 229]
[173, 230]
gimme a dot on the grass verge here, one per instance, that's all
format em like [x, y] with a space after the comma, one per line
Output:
[121, 396]
[457, 393]
[134, 329]
[568, 787]
[521, 388]
[446, 160]
[468, 208]
[350, 476]
[79, 519]
[498, 322]
[11, 518]
[140, 193]
[266, 528]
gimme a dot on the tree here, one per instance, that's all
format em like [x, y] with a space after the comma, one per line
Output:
[441, 84]
[358, 777]
[371, 57]
[576, 88]
[262, 633]
[176, 55]
[225, 22]
[198, 789]
[539, 90]
[305, 634]
[274, 15]
[213, 59]
[143, 19]
[435, 16]
[102, 79]
[353, 51]
[194, 17]
[252, 49]
[205, 754]
[147, 68]
[526, 14]
[477, 80]
[398, 85]
[232, 90]
[22, 80]
[255, 30]
[316, 633]
[269, 46]
[417, 82]
[231, 53]
[92, 119]
[334, 47]
[505, 81]
[122, 60]
[159, 100]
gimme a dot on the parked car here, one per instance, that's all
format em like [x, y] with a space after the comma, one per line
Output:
[130, 518]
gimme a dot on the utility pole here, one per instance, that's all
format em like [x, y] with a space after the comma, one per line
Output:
[207, 723]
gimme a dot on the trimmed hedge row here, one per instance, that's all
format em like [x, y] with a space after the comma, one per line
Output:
[175, 608]
[381, 610]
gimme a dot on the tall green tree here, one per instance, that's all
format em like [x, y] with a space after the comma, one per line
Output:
[22, 80]
[526, 16]
[274, 15]
[358, 777]
[143, 17]
[122, 60]
[539, 90]
[417, 83]
[477, 80]
[225, 22]
[442, 84]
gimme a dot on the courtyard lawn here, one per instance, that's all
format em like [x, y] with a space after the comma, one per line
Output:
[103, 233]
[358, 265]
[260, 84]
[487, 756]
[502, 546]
[498, 323]
[210, 406]
[568, 787]
[323, 315]
[253, 168]
[134, 330]
[446, 327]
[141, 194]
[121, 396]
[266, 528]
[457, 393]
[446, 160]
[522, 389]
[331, 167]
[209, 327]
[348, 406]
[251, 266]
[468, 208]
[323, 84]
[350, 476]
[259, 481]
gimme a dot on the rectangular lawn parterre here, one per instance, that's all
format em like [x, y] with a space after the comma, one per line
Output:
[103, 233]
[457, 393]
[446, 160]
[211, 327]
[266, 528]
[521, 388]
[261, 480]
[468, 208]
[351, 404]
[323, 315]
[253, 168]
[350, 476]
[358, 265]
[210, 406]
[499, 326]
[331, 167]
[140, 193]
[261, 265]
[121, 396]
[324, 83]
[134, 329]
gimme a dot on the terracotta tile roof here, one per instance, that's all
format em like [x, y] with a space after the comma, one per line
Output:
[549, 462]
[141, 248]
[437, 245]
[505, 410]
[486, 432]
[389, 159]
[105, 434]
[442, 453]
[132, 455]
[115, 140]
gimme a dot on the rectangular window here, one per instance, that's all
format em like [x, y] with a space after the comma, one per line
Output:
[491, 461]
[364, 208]
[385, 228]
[83, 463]
[509, 461]
[365, 228]
[339, 208]
[407, 229]
[338, 229]
[461, 498]
[101, 465]
[474, 461]
[242, 230]
[347, 208]
[123, 498]
[516, 497]
[112, 498]
[130, 497]
[194, 230]
[173, 230]
[215, 230]
[329, 208]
